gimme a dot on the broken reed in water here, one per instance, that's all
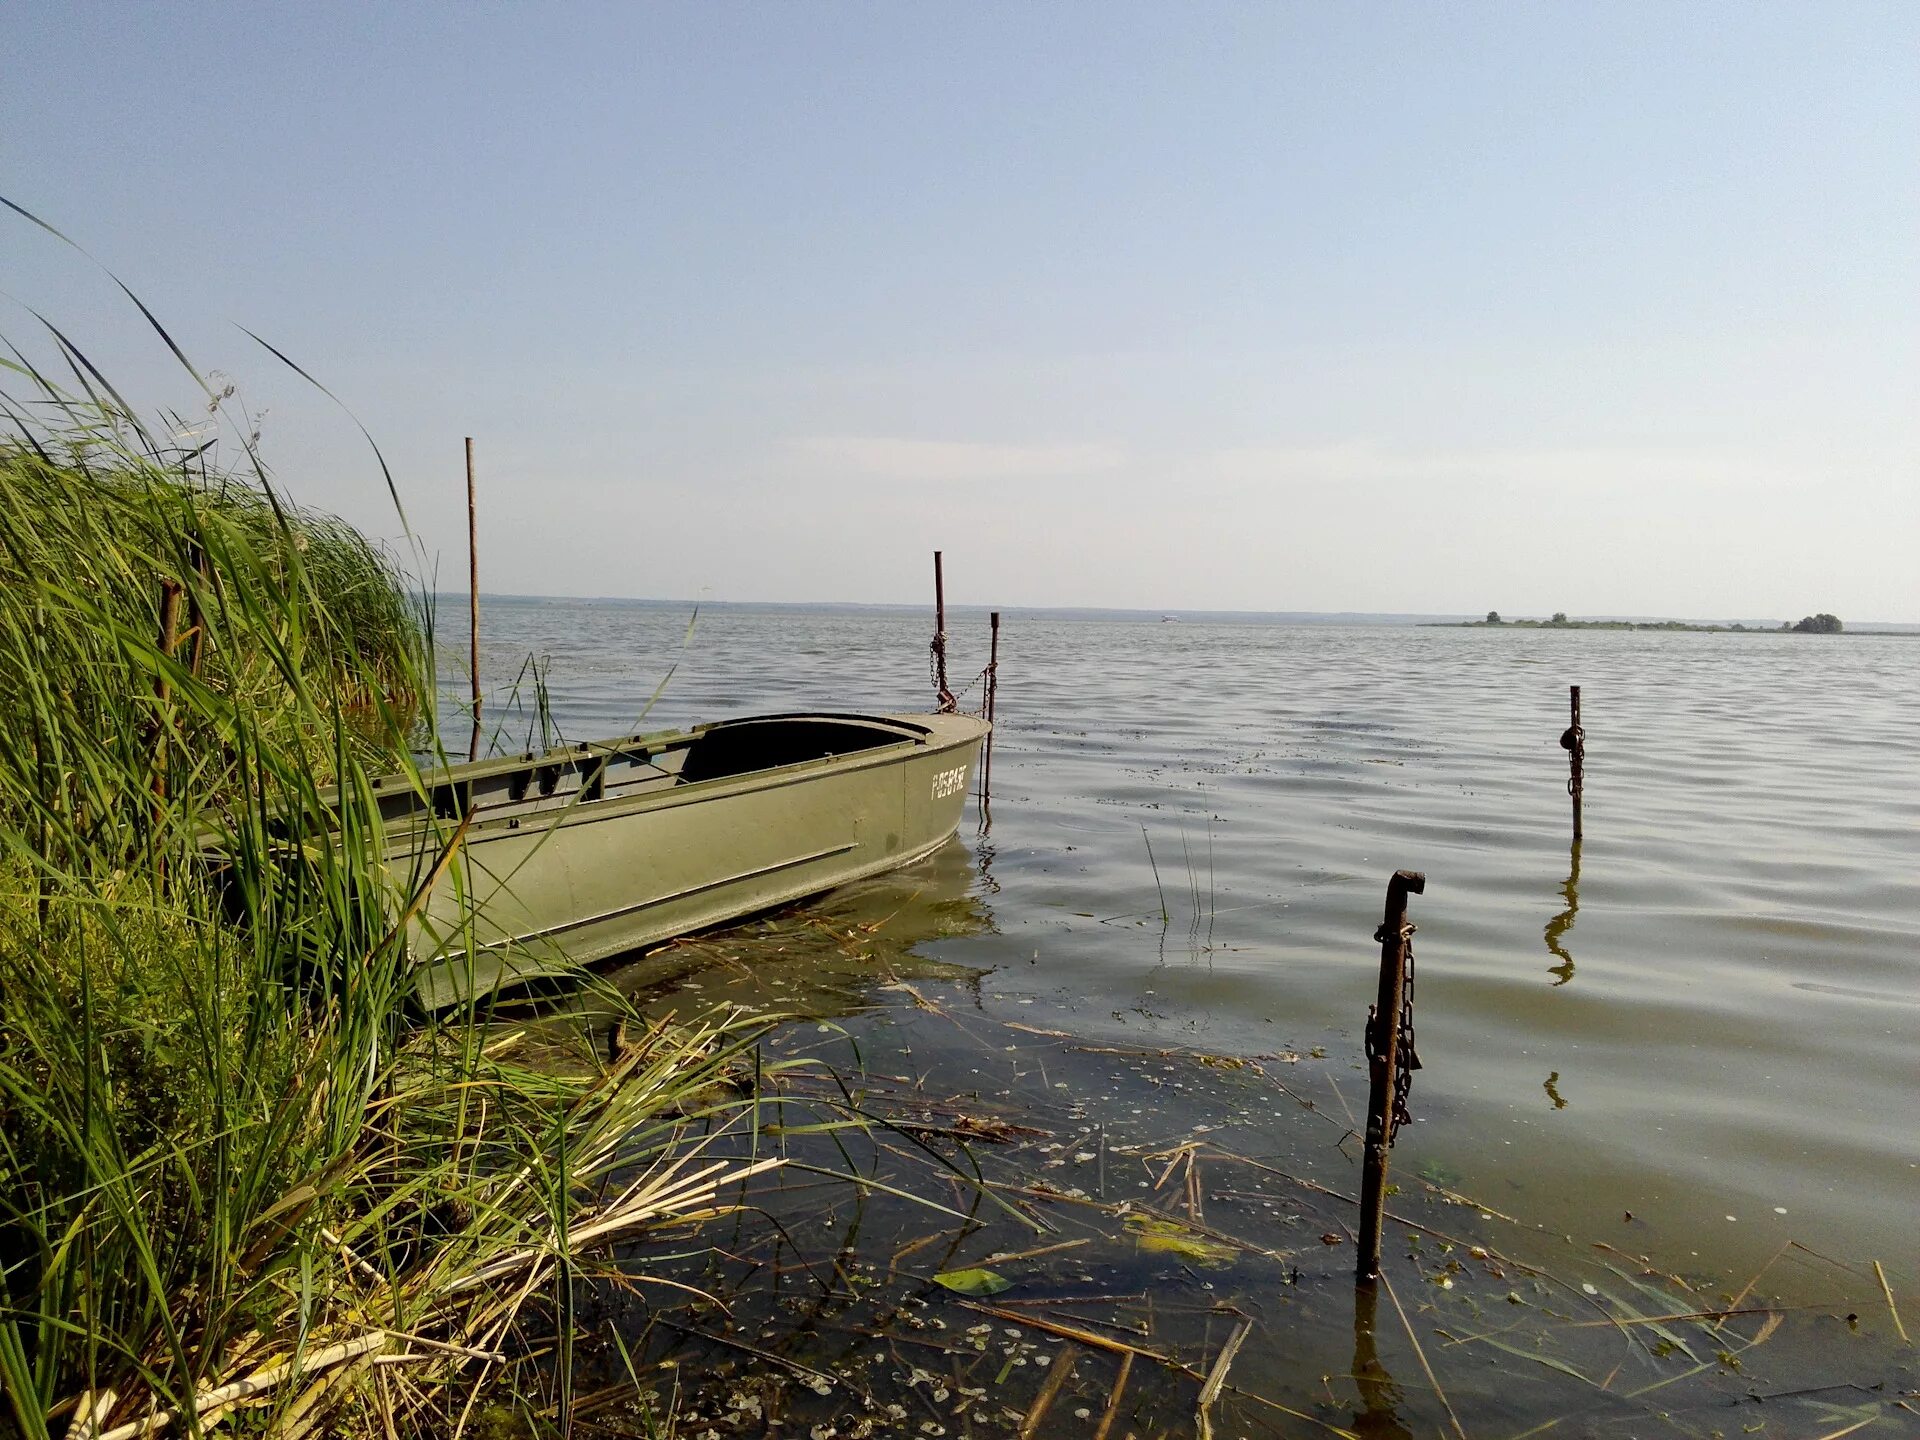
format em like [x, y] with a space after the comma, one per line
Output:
[236, 1172]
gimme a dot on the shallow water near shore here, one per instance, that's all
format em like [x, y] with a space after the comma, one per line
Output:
[1692, 1038]
[1704, 1018]
[984, 1227]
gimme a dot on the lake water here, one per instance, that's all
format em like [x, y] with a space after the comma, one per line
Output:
[1696, 1036]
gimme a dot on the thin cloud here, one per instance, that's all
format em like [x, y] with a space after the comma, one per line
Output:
[892, 458]
[1364, 462]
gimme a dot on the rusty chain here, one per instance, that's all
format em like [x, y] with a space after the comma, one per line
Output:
[987, 680]
[1574, 742]
[946, 701]
[950, 700]
[1409, 1059]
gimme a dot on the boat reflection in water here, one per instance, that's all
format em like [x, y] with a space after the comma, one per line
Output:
[823, 957]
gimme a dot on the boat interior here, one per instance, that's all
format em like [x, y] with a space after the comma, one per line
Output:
[507, 789]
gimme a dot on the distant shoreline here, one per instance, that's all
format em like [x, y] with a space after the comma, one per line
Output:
[1099, 614]
[1681, 626]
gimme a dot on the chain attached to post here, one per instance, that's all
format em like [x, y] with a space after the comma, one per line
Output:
[989, 693]
[1409, 1059]
[945, 702]
[1390, 1063]
[960, 696]
[1574, 741]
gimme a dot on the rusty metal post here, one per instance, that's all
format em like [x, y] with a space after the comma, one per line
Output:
[473, 602]
[945, 702]
[993, 663]
[1574, 742]
[989, 699]
[1385, 1065]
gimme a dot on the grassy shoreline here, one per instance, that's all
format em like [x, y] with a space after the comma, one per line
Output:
[239, 1172]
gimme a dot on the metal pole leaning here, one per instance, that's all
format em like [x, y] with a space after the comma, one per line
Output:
[1389, 1070]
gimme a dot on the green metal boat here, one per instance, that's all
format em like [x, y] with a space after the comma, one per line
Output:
[594, 850]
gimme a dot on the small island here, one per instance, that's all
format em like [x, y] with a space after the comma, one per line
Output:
[1821, 624]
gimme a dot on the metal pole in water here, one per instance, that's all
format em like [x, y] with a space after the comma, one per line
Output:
[473, 602]
[944, 697]
[992, 697]
[1574, 742]
[993, 662]
[989, 687]
[1386, 1066]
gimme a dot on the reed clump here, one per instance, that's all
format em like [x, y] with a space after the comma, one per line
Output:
[236, 1174]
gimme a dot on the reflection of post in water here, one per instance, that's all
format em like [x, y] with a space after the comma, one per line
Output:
[1378, 1417]
[984, 857]
[1558, 926]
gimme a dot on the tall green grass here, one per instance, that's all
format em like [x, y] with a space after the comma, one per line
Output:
[226, 1148]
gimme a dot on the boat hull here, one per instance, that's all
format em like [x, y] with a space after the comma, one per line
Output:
[530, 892]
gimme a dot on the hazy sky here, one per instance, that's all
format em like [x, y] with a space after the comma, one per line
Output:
[1602, 307]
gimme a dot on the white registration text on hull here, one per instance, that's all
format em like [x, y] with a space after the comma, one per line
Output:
[949, 782]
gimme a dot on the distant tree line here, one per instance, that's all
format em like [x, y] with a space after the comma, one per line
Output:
[1821, 624]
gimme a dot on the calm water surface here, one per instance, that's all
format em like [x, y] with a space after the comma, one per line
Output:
[1704, 1018]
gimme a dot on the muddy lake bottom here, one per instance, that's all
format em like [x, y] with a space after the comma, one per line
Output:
[988, 1227]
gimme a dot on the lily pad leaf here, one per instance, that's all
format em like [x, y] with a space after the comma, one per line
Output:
[974, 1282]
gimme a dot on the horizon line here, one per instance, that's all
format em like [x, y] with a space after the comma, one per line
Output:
[1162, 611]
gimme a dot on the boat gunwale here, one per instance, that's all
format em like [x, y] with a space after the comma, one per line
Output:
[923, 740]
[619, 745]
